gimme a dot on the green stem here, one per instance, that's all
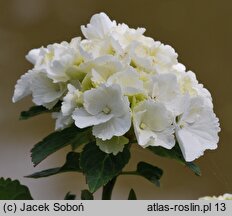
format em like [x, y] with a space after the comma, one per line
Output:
[108, 188]
[129, 173]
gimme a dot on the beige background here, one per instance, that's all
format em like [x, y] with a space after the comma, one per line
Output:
[199, 30]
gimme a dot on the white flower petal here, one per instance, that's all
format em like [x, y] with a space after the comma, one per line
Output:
[167, 87]
[122, 36]
[110, 97]
[197, 129]
[33, 56]
[165, 138]
[83, 119]
[164, 88]
[44, 90]
[153, 57]
[189, 85]
[190, 145]
[152, 125]
[114, 127]
[166, 55]
[62, 121]
[129, 81]
[23, 86]
[70, 101]
[95, 100]
[156, 117]
[107, 109]
[99, 26]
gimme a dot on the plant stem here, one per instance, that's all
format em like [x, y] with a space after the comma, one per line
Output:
[129, 173]
[108, 188]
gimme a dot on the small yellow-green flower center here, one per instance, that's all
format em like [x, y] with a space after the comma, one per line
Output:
[182, 124]
[143, 126]
[106, 110]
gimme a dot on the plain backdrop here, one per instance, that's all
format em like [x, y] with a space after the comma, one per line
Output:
[201, 33]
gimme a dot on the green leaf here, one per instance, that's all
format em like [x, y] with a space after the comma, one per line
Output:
[13, 190]
[132, 195]
[70, 196]
[82, 138]
[150, 172]
[175, 153]
[169, 153]
[71, 165]
[56, 141]
[100, 167]
[37, 110]
[86, 195]
[196, 169]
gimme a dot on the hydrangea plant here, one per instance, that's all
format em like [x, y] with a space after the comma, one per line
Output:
[111, 90]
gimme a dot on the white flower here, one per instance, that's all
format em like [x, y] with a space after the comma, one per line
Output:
[44, 91]
[225, 196]
[153, 58]
[91, 49]
[164, 88]
[106, 109]
[64, 62]
[62, 121]
[153, 125]
[99, 27]
[114, 145]
[122, 36]
[71, 100]
[58, 61]
[106, 37]
[197, 128]
[99, 70]
[129, 81]
[189, 84]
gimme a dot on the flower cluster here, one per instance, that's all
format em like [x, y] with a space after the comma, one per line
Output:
[117, 80]
[225, 196]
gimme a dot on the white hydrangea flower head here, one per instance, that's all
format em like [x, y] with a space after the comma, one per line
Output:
[106, 109]
[153, 125]
[117, 76]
